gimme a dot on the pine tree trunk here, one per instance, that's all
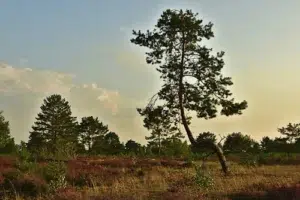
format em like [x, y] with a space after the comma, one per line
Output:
[222, 159]
[159, 146]
[215, 147]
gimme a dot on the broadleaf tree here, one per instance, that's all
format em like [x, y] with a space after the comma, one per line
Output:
[191, 73]
[90, 128]
[108, 144]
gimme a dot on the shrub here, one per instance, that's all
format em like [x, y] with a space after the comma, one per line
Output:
[203, 178]
[12, 174]
[249, 160]
[27, 185]
[23, 153]
[26, 166]
[55, 174]
[189, 160]
[30, 185]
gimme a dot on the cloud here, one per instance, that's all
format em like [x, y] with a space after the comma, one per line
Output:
[17, 81]
[23, 61]
[22, 91]
[271, 94]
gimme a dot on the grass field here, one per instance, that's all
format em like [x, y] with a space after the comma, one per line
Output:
[100, 178]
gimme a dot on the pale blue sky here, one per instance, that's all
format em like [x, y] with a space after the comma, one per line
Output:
[82, 37]
[91, 40]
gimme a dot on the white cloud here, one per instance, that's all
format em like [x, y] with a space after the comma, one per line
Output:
[22, 91]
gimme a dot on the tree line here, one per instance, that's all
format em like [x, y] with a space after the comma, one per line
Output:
[192, 80]
[57, 133]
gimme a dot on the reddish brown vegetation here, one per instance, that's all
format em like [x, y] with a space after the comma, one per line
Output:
[100, 178]
[130, 162]
[82, 173]
[67, 194]
[7, 162]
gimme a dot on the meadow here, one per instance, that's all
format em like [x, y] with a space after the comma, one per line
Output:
[131, 178]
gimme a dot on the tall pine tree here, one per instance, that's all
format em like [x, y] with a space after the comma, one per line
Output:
[54, 125]
[191, 72]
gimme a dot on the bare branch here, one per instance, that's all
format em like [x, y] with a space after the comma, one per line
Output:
[152, 100]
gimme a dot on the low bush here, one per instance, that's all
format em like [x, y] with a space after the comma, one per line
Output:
[203, 178]
[24, 184]
[55, 175]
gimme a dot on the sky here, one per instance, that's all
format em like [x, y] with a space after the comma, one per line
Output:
[81, 50]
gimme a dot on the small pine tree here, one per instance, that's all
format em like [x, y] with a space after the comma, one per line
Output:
[161, 125]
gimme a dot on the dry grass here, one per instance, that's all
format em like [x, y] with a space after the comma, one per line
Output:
[131, 179]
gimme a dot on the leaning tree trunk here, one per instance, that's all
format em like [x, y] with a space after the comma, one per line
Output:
[215, 147]
[222, 159]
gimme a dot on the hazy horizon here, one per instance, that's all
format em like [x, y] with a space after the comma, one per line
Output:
[82, 47]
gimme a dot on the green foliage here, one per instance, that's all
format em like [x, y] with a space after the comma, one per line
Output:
[108, 144]
[162, 127]
[175, 45]
[22, 152]
[90, 128]
[191, 73]
[7, 144]
[27, 166]
[266, 144]
[65, 150]
[55, 175]
[204, 142]
[279, 144]
[278, 159]
[24, 162]
[250, 160]
[133, 147]
[237, 143]
[291, 131]
[203, 178]
[176, 148]
[53, 125]
[189, 159]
